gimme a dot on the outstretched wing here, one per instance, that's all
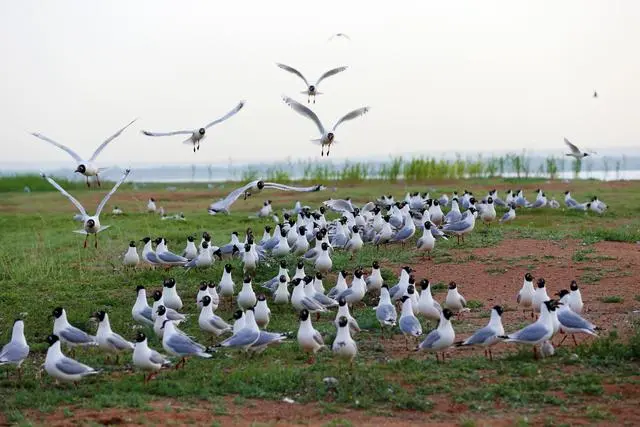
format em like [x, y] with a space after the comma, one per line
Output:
[225, 203]
[305, 111]
[108, 140]
[57, 144]
[73, 200]
[177, 132]
[352, 115]
[228, 115]
[329, 74]
[113, 190]
[293, 71]
[283, 187]
[573, 148]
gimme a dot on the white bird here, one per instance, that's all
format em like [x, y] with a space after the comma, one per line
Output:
[546, 349]
[540, 295]
[575, 298]
[178, 344]
[203, 290]
[454, 300]
[262, 313]
[526, 293]
[537, 332]
[147, 359]
[327, 137]
[209, 321]
[309, 339]
[462, 227]
[344, 346]
[440, 338]
[510, 215]
[158, 300]
[281, 295]
[86, 167]
[385, 311]
[358, 289]
[427, 306]
[226, 283]
[190, 251]
[107, 339]
[141, 312]
[312, 89]
[355, 243]
[488, 213]
[247, 297]
[374, 281]
[116, 211]
[167, 257]
[202, 260]
[151, 205]
[246, 336]
[323, 263]
[343, 311]
[301, 244]
[131, 257]
[301, 301]
[342, 35]
[299, 271]
[170, 294]
[575, 151]
[62, 367]
[69, 334]
[91, 223]
[488, 335]
[409, 323]
[197, 135]
[571, 322]
[249, 260]
[16, 350]
[148, 254]
[427, 242]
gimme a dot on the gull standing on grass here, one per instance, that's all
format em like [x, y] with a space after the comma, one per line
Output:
[488, 335]
[190, 251]
[148, 254]
[539, 296]
[141, 312]
[180, 345]
[69, 334]
[409, 323]
[209, 321]
[197, 135]
[170, 294]
[327, 137]
[309, 339]
[570, 321]
[344, 346]
[158, 300]
[202, 260]
[575, 298]
[167, 257]
[262, 312]
[526, 294]
[537, 332]
[454, 300]
[107, 339]
[385, 311]
[440, 338]
[312, 89]
[462, 227]
[427, 306]
[148, 359]
[246, 336]
[86, 167]
[374, 281]
[91, 223]
[427, 242]
[62, 367]
[343, 311]
[15, 351]
[510, 215]
[131, 257]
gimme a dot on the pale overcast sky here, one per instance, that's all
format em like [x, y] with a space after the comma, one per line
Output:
[442, 75]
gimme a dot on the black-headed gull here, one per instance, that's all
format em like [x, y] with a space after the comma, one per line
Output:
[91, 223]
[16, 350]
[86, 167]
[148, 359]
[327, 136]
[198, 135]
[312, 89]
[62, 367]
[575, 151]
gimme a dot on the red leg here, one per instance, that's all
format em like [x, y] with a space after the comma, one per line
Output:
[575, 343]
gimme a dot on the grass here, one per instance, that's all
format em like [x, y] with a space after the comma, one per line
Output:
[613, 299]
[43, 257]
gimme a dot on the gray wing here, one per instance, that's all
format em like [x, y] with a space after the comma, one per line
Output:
[152, 258]
[324, 300]
[71, 367]
[146, 313]
[333, 292]
[572, 147]
[177, 132]
[232, 197]
[480, 336]
[267, 338]
[318, 338]
[13, 352]
[118, 342]
[410, 325]
[352, 115]
[402, 234]
[345, 293]
[537, 203]
[304, 111]
[171, 257]
[456, 226]
[431, 339]
[218, 323]
[572, 320]
[113, 190]
[244, 337]
[283, 187]
[174, 315]
[72, 199]
[228, 115]
[76, 336]
[311, 305]
[340, 241]
[72, 153]
[386, 313]
[311, 253]
[531, 333]
[108, 140]
[158, 358]
[293, 71]
[394, 290]
[181, 344]
[329, 74]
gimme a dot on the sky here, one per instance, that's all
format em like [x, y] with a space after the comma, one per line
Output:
[439, 76]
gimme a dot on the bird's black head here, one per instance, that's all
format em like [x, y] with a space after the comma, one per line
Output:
[247, 247]
[342, 301]
[228, 268]
[427, 225]
[260, 185]
[319, 276]
[312, 88]
[283, 233]
[282, 278]
[296, 281]
[343, 220]
[489, 200]
[473, 210]
[412, 279]
[436, 202]
[201, 131]
[528, 277]
[304, 314]
[57, 312]
[267, 228]
[562, 293]
[132, 244]
[452, 285]
[247, 279]
[169, 282]
[411, 289]
[302, 230]
[52, 339]
[407, 269]
[261, 297]
[424, 284]
[358, 273]
[344, 273]
[541, 282]
[498, 309]
[139, 288]
[375, 264]
[447, 313]
[100, 315]
[307, 279]
[300, 265]
[551, 304]
[386, 218]
[157, 294]
[404, 298]
[237, 315]
[325, 246]
[342, 321]
[203, 285]
[145, 239]
[190, 238]
[574, 285]
[322, 210]
[91, 223]
[158, 240]
[319, 235]
[286, 216]
[385, 286]
[161, 310]
[212, 285]
[283, 264]
[81, 169]
[330, 136]
[140, 336]
[292, 222]
[354, 228]
[585, 154]
[205, 245]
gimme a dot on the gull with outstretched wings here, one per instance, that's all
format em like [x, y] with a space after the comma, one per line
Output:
[575, 151]
[327, 137]
[197, 135]
[312, 89]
